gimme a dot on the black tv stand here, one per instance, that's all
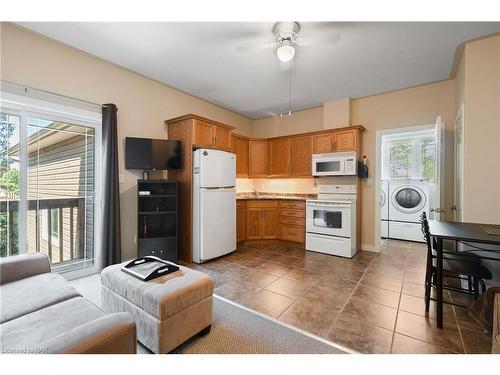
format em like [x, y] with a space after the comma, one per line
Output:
[157, 218]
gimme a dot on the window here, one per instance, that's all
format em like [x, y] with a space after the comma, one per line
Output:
[409, 156]
[400, 159]
[52, 148]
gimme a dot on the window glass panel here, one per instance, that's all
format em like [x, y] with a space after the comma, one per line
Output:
[9, 184]
[400, 159]
[428, 158]
[61, 185]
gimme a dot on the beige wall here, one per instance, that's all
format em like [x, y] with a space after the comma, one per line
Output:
[337, 113]
[478, 87]
[398, 109]
[298, 122]
[143, 104]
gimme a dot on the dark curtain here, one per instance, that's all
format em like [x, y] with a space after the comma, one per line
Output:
[111, 233]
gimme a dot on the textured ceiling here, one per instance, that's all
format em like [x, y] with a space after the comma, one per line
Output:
[213, 61]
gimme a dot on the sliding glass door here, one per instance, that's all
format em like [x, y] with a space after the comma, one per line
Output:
[49, 188]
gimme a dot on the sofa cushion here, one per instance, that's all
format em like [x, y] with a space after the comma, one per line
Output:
[33, 293]
[26, 333]
[164, 296]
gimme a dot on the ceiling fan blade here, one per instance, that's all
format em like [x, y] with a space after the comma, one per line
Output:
[329, 37]
[253, 46]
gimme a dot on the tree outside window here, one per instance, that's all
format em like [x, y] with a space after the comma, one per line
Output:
[428, 158]
[400, 158]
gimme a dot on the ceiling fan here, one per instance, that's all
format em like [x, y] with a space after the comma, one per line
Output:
[288, 36]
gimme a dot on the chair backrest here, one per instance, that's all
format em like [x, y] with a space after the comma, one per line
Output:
[426, 233]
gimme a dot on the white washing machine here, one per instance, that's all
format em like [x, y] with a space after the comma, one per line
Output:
[407, 200]
[384, 209]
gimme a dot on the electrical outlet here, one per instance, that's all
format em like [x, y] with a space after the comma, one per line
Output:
[135, 238]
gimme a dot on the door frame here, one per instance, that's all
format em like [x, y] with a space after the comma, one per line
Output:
[378, 171]
[460, 116]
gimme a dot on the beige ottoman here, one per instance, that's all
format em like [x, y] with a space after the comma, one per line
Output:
[168, 310]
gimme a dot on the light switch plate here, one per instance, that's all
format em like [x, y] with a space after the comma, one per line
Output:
[121, 178]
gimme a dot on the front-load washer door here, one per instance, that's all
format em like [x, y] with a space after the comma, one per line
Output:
[407, 203]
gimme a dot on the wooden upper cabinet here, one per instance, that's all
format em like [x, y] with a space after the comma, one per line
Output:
[301, 149]
[257, 158]
[222, 138]
[346, 140]
[211, 134]
[323, 143]
[203, 133]
[239, 146]
[278, 157]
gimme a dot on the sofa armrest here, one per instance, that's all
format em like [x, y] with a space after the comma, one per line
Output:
[18, 267]
[111, 334]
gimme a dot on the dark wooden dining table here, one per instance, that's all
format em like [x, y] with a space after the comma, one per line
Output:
[466, 233]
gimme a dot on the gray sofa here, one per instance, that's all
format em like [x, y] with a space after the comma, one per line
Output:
[41, 313]
[495, 348]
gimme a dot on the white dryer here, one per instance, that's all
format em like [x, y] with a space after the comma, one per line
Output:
[384, 209]
[407, 200]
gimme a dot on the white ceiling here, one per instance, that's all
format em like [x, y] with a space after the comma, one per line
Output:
[206, 59]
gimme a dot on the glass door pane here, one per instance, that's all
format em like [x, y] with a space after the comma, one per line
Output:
[9, 184]
[61, 188]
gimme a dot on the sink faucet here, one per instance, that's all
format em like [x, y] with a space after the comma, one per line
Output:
[256, 193]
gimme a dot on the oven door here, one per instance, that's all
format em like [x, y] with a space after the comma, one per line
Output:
[332, 219]
[327, 166]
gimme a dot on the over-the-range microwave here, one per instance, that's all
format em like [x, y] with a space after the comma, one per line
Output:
[334, 164]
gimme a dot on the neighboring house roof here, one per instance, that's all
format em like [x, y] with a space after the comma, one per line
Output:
[46, 136]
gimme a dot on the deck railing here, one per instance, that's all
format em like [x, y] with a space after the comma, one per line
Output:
[68, 245]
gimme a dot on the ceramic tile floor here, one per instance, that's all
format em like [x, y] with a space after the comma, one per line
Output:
[372, 303]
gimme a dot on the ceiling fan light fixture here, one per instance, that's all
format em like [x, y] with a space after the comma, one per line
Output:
[285, 53]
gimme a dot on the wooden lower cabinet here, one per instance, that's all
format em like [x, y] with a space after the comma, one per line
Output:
[292, 233]
[241, 221]
[262, 220]
[292, 221]
[271, 219]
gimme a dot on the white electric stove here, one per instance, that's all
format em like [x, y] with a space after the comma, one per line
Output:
[331, 221]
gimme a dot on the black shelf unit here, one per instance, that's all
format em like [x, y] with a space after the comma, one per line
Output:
[157, 219]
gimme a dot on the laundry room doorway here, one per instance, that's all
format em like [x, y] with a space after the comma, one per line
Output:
[409, 180]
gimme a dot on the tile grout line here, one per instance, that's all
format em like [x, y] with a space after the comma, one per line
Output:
[351, 294]
[458, 325]
[397, 310]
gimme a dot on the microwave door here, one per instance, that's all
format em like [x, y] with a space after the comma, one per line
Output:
[328, 167]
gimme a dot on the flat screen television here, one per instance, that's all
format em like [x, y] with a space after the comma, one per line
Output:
[151, 154]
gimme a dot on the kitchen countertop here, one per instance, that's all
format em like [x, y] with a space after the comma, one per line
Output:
[274, 196]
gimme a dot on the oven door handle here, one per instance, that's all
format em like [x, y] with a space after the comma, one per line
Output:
[330, 238]
[330, 205]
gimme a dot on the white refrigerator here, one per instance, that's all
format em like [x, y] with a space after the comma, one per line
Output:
[214, 204]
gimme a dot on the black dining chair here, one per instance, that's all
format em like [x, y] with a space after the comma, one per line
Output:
[455, 265]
